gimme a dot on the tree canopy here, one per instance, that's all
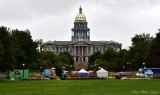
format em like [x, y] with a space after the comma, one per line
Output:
[16, 48]
[7, 58]
[25, 48]
[139, 49]
[65, 60]
[46, 59]
[153, 54]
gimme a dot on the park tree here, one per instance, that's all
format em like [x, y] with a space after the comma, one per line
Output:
[46, 59]
[109, 55]
[120, 63]
[95, 61]
[25, 49]
[94, 58]
[138, 50]
[110, 59]
[65, 60]
[115, 60]
[7, 59]
[153, 55]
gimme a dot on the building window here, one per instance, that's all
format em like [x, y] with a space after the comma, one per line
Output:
[84, 59]
[76, 59]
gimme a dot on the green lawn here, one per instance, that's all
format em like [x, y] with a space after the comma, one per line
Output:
[80, 87]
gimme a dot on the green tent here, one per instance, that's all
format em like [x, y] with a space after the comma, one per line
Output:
[19, 74]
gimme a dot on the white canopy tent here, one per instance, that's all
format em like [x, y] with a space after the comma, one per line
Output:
[82, 72]
[102, 73]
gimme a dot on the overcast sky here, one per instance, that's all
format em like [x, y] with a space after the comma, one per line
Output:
[116, 20]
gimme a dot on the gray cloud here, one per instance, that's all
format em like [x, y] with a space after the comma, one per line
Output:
[117, 20]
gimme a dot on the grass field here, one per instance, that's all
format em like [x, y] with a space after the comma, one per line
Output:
[80, 87]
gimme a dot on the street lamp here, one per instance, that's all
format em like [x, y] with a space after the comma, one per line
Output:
[129, 66]
[70, 67]
[144, 64]
[124, 67]
[63, 68]
[41, 71]
[23, 69]
[99, 67]
[128, 63]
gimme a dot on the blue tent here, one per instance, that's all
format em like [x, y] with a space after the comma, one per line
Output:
[82, 72]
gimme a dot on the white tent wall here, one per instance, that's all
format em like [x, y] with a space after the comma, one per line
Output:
[102, 73]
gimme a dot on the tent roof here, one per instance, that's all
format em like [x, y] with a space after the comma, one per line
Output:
[102, 70]
[82, 71]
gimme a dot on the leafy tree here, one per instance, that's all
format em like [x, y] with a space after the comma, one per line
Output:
[7, 59]
[46, 59]
[95, 61]
[120, 62]
[65, 59]
[114, 60]
[117, 64]
[25, 48]
[109, 54]
[138, 50]
[95, 57]
[110, 59]
[153, 55]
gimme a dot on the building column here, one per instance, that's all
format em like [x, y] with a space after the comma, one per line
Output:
[91, 49]
[78, 54]
[78, 50]
[74, 50]
[81, 59]
[78, 59]
[82, 50]
[86, 60]
[74, 58]
[87, 51]
[72, 33]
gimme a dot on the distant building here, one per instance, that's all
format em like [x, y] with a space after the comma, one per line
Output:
[80, 46]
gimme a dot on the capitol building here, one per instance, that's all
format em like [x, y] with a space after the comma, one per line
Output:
[80, 46]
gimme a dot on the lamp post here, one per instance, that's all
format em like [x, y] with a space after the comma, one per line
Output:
[41, 71]
[95, 67]
[129, 67]
[124, 68]
[23, 69]
[70, 67]
[99, 67]
[144, 65]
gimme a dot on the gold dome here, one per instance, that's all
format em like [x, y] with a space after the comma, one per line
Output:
[80, 16]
